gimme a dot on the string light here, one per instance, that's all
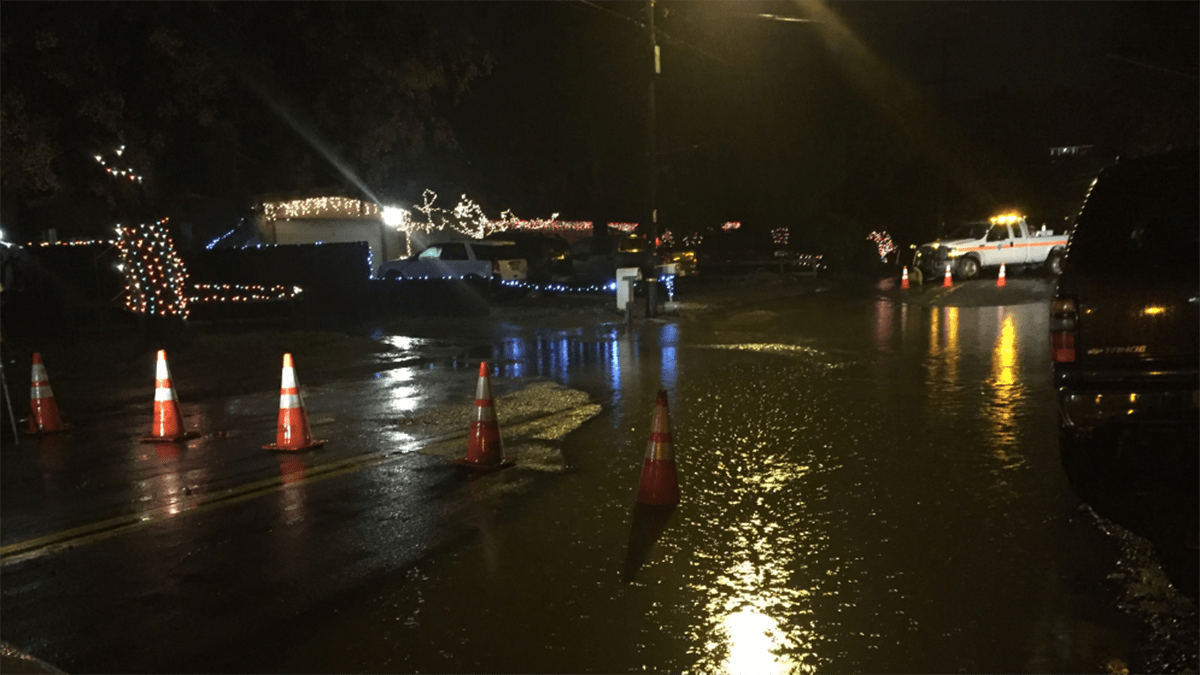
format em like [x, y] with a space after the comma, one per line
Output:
[77, 242]
[242, 293]
[548, 225]
[610, 287]
[883, 241]
[116, 172]
[321, 207]
[780, 235]
[221, 238]
[155, 276]
[731, 225]
[622, 227]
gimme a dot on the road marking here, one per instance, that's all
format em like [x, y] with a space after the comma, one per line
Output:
[104, 529]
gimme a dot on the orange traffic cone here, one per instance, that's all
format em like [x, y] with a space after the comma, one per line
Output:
[167, 424]
[904, 278]
[660, 486]
[946, 282]
[293, 432]
[43, 411]
[1000, 279]
[484, 450]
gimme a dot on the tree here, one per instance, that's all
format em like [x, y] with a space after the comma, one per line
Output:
[218, 101]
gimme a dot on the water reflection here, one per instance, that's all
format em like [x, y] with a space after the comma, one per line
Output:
[52, 458]
[543, 356]
[292, 469]
[754, 641]
[759, 612]
[669, 337]
[164, 490]
[1004, 355]
[884, 309]
[408, 346]
[404, 397]
[1007, 393]
[747, 636]
[942, 362]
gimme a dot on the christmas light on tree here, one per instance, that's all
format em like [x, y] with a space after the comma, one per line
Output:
[884, 241]
[155, 277]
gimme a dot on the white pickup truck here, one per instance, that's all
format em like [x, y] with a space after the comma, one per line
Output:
[489, 260]
[1006, 239]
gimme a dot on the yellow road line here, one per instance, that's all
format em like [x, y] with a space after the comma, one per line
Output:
[78, 536]
[104, 529]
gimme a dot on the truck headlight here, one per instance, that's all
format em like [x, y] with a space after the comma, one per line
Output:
[953, 253]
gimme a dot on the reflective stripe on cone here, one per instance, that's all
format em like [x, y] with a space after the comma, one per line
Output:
[167, 424]
[43, 411]
[660, 484]
[293, 432]
[485, 451]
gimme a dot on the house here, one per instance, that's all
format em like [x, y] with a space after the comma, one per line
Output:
[328, 219]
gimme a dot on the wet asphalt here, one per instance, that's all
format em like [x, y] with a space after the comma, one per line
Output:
[869, 479]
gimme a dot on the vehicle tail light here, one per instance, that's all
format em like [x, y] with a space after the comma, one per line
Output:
[1063, 320]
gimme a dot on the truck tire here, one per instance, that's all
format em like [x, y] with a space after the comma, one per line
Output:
[968, 267]
[1054, 263]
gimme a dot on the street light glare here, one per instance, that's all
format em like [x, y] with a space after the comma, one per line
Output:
[776, 17]
[393, 216]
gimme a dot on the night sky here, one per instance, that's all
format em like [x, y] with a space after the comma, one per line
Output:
[862, 116]
[747, 131]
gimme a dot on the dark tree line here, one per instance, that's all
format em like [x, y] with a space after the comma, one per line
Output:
[215, 103]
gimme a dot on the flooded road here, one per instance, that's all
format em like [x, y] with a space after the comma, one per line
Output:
[867, 486]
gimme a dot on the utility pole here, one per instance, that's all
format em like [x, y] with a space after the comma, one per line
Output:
[652, 163]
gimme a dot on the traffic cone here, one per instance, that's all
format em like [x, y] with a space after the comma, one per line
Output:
[659, 486]
[1000, 279]
[293, 432]
[167, 424]
[904, 278]
[946, 282]
[43, 411]
[484, 449]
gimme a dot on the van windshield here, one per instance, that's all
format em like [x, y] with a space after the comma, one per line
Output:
[1140, 222]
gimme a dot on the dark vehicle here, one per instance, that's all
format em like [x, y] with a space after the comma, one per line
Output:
[1125, 331]
[548, 255]
[684, 260]
[597, 259]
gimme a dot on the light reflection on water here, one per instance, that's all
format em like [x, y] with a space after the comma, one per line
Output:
[404, 397]
[1007, 394]
[762, 527]
[787, 575]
